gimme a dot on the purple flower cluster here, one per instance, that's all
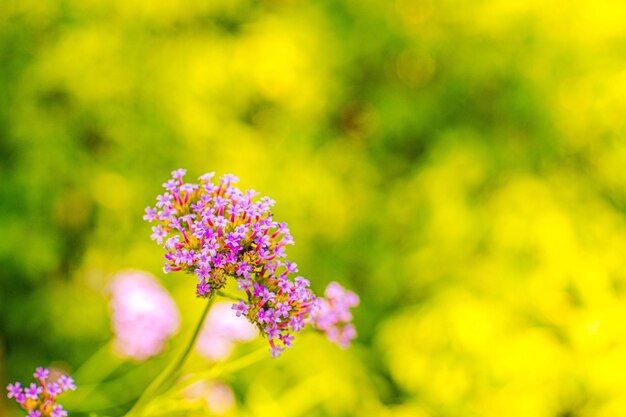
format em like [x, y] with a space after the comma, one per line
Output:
[216, 231]
[143, 313]
[333, 316]
[39, 399]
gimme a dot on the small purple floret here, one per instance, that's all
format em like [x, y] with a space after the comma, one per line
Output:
[58, 411]
[33, 391]
[54, 389]
[67, 383]
[276, 350]
[240, 308]
[14, 390]
[41, 373]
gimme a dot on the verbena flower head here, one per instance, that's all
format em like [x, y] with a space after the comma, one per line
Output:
[214, 231]
[39, 398]
[333, 316]
[221, 330]
[144, 316]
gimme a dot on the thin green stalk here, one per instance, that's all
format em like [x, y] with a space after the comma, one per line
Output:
[91, 373]
[170, 371]
[221, 369]
[99, 365]
[228, 296]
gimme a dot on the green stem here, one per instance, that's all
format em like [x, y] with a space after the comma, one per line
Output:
[99, 365]
[221, 369]
[170, 371]
[227, 295]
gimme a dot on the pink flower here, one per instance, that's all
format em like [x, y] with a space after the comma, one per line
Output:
[333, 316]
[218, 396]
[144, 315]
[222, 329]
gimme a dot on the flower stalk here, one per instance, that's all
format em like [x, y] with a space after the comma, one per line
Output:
[169, 373]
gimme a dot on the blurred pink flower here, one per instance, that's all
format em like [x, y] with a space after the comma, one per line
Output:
[222, 329]
[144, 316]
[218, 396]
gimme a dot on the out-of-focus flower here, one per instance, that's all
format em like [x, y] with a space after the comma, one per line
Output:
[39, 398]
[218, 396]
[144, 316]
[217, 231]
[333, 317]
[221, 330]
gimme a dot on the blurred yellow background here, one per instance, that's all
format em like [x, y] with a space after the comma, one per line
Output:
[460, 165]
